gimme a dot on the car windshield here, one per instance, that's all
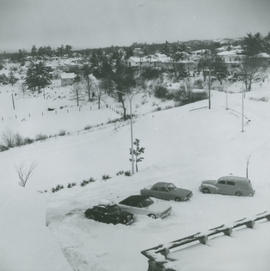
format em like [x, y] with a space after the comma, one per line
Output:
[146, 202]
[114, 209]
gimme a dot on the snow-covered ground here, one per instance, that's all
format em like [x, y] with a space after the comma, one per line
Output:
[184, 145]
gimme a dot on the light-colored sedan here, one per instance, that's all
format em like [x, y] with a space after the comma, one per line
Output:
[144, 205]
[167, 191]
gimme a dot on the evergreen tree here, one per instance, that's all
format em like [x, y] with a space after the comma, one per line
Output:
[137, 152]
[38, 76]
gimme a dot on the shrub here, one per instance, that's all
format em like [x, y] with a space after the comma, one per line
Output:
[85, 182]
[71, 185]
[105, 177]
[87, 127]
[3, 148]
[41, 137]
[57, 188]
[8, 139]
[18, 140]
[28, 140]
[198, 84]
[161, 92]
[127, 173]
[149, 73]
[120, 172]
[62, 133]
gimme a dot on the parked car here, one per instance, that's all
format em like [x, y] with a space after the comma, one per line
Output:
[228, 185]
[168, 191]
[144, 205]
[109, 214]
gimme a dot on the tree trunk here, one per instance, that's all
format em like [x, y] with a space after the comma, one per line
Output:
[77, 96]
[123, 106]
[99, 99]
[88, 88]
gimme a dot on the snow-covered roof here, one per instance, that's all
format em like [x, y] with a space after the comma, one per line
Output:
[68, 75]
[231, 52]
[263, 55]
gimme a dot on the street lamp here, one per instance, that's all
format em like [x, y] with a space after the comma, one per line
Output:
[130, 98]
[209, 87]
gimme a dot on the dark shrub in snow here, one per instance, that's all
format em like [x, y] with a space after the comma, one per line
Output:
[127, 173]
[40, 137]
[161, 92]
[120, 172]
[28, 140]
[70, 185]
[3, 148]
[105, 177]
[62, 133]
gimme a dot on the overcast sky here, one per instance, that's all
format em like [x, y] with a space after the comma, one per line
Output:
[99, 23]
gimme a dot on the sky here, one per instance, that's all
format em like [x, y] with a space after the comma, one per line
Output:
[101, 23]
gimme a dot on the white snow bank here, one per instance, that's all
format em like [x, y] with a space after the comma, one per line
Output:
[26, 243]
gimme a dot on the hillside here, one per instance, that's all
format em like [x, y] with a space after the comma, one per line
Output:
[184, 145]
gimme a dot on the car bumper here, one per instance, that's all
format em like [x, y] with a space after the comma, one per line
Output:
[166, 213]
[130, 221]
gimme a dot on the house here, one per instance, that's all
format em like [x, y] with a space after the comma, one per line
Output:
[67, 78]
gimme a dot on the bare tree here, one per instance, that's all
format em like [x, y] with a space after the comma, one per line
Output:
[251, 68]
[24, 173]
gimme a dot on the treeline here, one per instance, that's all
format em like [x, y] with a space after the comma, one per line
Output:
[38, 52]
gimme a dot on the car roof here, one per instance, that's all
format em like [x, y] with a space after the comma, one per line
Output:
[105, 205]
[134, 199]
[161, 184]
[234, 178]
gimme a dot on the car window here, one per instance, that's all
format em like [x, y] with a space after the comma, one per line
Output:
[171, 187]
[230, 183]
[221, 182]
[113, 209]
[145, 203]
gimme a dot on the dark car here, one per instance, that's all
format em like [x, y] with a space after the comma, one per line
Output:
[109, 214]
[167, 191]
[228, 185]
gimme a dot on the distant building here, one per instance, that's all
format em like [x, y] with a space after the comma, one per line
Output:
[137, 52]
[67, 79]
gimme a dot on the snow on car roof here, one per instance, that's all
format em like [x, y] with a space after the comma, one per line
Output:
[234, 178]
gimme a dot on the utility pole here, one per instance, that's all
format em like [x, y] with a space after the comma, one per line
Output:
[131, 134]
[247, 165]
[130, 97]
[13, 102]
[226, 91]
[209, 89]
[243, 108]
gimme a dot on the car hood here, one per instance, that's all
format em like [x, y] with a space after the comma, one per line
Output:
[158, 206]
[209, 182]
[181, 192]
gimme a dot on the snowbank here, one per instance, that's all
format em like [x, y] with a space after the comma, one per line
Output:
[26, 243]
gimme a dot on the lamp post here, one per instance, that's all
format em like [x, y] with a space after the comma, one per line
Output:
[243, 108]
[130, 98]
[209, 87]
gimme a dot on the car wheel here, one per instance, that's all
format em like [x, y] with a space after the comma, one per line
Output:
[124, 221]
[238, 193]
[178, 199]
[152, 216]
[206, 190]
